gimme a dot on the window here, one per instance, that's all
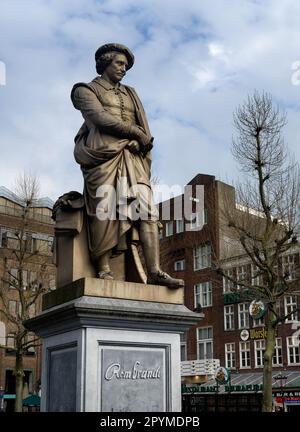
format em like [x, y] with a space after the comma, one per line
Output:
[42, 246]
[28, 243]
[202, 256]
[12, 308]
[25, 279]
[169, 229]
[33, 281]
[245, 355]
[229, 317]
[29, 339]
[277, 357]
[258, 322]
[293, 350]
[230, 355]
[256, 276]
[243, 315]
[31, 310]
[203, 294]
[196, 221]
[13, 241]
[289, 266]
[290, 304]
[259, 349]
[242, 275]
[228, 285]
[13, 278]
[179, 265]
[10, 341]
[205, 343]
[179, 226]
[183, 354]
[3, 238]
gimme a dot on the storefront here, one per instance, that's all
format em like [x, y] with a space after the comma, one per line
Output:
[221, 398]
[242, 393]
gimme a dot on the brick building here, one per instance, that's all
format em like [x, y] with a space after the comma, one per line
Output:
[227, 336]
[39, 240]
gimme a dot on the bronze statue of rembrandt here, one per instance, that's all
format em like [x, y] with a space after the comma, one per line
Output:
[113, 148]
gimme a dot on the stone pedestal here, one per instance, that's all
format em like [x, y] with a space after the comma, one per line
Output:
[112, 346]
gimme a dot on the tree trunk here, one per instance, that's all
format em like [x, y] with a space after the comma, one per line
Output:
[19, 374]
[268, 364]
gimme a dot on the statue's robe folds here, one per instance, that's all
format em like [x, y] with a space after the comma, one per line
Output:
[100, 149]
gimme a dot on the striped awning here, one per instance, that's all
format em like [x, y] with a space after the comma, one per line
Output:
[291, 379]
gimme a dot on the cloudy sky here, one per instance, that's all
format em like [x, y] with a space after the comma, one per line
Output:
[196, 60]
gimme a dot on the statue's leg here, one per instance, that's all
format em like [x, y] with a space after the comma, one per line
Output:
[150, 244]
[103, 266]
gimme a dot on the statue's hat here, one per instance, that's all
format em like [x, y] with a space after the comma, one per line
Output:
[118, 48]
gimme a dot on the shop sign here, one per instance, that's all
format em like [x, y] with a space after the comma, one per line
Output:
[257, 309]
[243, 388]
[289, 400]
[259, 333]
[287, 394]
[222, 375]
[235, 297]
[244, 335]
[228, 388]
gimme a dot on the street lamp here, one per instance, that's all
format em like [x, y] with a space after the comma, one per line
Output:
[280, 377]
[1, 399]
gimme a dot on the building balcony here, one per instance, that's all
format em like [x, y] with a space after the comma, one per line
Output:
[199, 367]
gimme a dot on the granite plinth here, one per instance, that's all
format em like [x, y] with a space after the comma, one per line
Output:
[112, 353]
[94, 287]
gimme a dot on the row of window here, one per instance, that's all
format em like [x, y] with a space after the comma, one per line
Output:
[249, 273]
[290, 305]
[203, 297]
[205, 350]
[292, 346]
[29, 279]
[15, 309]
[197, 220]
[11, 342]
[32, 242]
[202, 258]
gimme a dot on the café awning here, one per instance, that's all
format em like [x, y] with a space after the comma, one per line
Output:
[32, 400]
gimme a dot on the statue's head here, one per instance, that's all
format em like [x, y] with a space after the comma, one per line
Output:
[106, 53]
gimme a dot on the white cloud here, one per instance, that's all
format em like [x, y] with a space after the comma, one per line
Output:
[195, 62]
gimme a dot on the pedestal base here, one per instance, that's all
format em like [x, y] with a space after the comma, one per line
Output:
[112, 354]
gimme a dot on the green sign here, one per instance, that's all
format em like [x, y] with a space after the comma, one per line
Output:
[230, 298]
[228, 388]
[236, 297]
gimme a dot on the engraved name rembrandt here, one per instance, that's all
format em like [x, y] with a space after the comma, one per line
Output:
[137, 372]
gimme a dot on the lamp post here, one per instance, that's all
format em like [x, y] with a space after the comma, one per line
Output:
[1, 399]
[280, 377]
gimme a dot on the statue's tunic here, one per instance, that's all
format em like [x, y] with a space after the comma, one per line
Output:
[100, 149]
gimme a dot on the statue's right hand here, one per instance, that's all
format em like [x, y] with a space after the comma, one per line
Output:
[133, 146]
[141, 136]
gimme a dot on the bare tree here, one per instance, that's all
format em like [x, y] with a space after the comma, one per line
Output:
[266, 222]
[26, 292]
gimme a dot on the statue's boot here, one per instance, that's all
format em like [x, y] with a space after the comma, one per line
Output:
[104, 268]
[150, 242]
